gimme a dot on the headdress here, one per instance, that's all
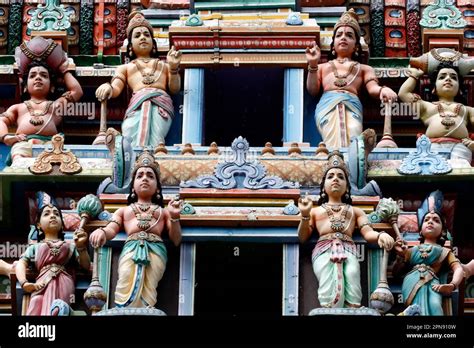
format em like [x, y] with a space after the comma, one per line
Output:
[135, 20]
[350, 19]
[146, 159]
[432, 204]
[336, 160]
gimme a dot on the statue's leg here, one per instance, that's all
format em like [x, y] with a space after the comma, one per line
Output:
[354, 125]
[352, 289]
[330, 281]
[153, 274]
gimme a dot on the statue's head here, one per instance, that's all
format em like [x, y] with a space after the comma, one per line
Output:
[447, 82]
[49, 219]
[146, 180]
[434, 224]
[140, 36]
[37, 81]
[346, 36]
[335, 180]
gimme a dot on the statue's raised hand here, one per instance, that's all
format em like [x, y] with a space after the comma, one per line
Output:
[313, 54]
[305, 205]
[174, 208]
[173, 58]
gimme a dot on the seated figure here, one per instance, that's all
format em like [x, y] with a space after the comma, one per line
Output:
[447, 118]
[38, 117]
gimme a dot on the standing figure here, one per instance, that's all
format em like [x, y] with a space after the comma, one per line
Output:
[334, 258]
[447, 118]
[429, 262]
[144, 256]
[339, 112]
[54, 259]
[150, 111]
[38, 117]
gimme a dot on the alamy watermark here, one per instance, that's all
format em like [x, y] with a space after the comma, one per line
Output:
[76, 109]
[400, 109]
[12, 250]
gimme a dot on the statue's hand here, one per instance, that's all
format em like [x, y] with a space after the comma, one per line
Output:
[98, 238]
[469, 143]
[386, 241]
[104, 92]
[313, 54]
[174, 208]
[445, 289]
[173, 58]
[387, 95]
[80, 238]
[305, 205]
[10, 140]
[415, 72]
[31, 287]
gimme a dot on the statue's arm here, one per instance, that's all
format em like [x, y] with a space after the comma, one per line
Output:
[173, 224]
[308, 219]
[8, 119]
[384, 240]
[119, 80]
[406, 94]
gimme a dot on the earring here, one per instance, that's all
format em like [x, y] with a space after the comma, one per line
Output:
[24, 90]
[130, 51]
[346, 196]
[356, 53]
[133, 195]
[323, 195]
[333, 52]
[153, 50]
[158, 196]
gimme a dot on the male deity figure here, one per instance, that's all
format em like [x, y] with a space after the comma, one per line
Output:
[335, 261]
[144, 256]
[38, 117]
[339, 111]
[150, 111]
[447, 118]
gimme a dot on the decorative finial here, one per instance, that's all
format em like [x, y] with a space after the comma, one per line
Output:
[268, 149]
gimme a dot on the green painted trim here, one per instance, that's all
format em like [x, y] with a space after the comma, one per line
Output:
[374, 259]
[382, 62]
[7, 60]
[104, 267]
[326, 21]
[160, 22]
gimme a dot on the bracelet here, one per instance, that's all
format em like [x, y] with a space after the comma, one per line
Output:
[105, 233]
[409, 74]
[365, 224]
[23, 283]
[373, 78]
[305, 218]
[312, 70]
[114, 221]
[174, 71]
[380, 90]
[108, 83]
[2, 138]
[174, 220]
[380, 233]
[455, 286]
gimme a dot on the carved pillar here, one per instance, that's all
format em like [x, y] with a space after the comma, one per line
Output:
[362, 8]
[187, 268]
[413, 27]
[73, 7]
[467, 9]
[291, 260]
[122, 20]
[293, 105]
[193, 109]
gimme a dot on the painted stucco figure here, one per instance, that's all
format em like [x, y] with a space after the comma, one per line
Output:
[150, 111]
[448, 117]
[334, 258]
[339, 111]
[143, 259]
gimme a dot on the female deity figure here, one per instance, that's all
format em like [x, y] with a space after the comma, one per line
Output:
[144, 256]
[447, 118]
[334, 258]
[339, 112]
[38, 117]
[150, 111]
[429, 262]
[54, 259]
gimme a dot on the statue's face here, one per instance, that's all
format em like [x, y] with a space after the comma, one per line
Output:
[38, 83]
[335, 182]
[145, 182]
[447, 83]
[432, 226]
[142, 41]
[345, 40]
[50, 220]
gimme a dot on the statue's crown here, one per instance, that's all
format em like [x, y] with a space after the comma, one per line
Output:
[349, 18]
[146, 159]
[336, 160]
[137, 19]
